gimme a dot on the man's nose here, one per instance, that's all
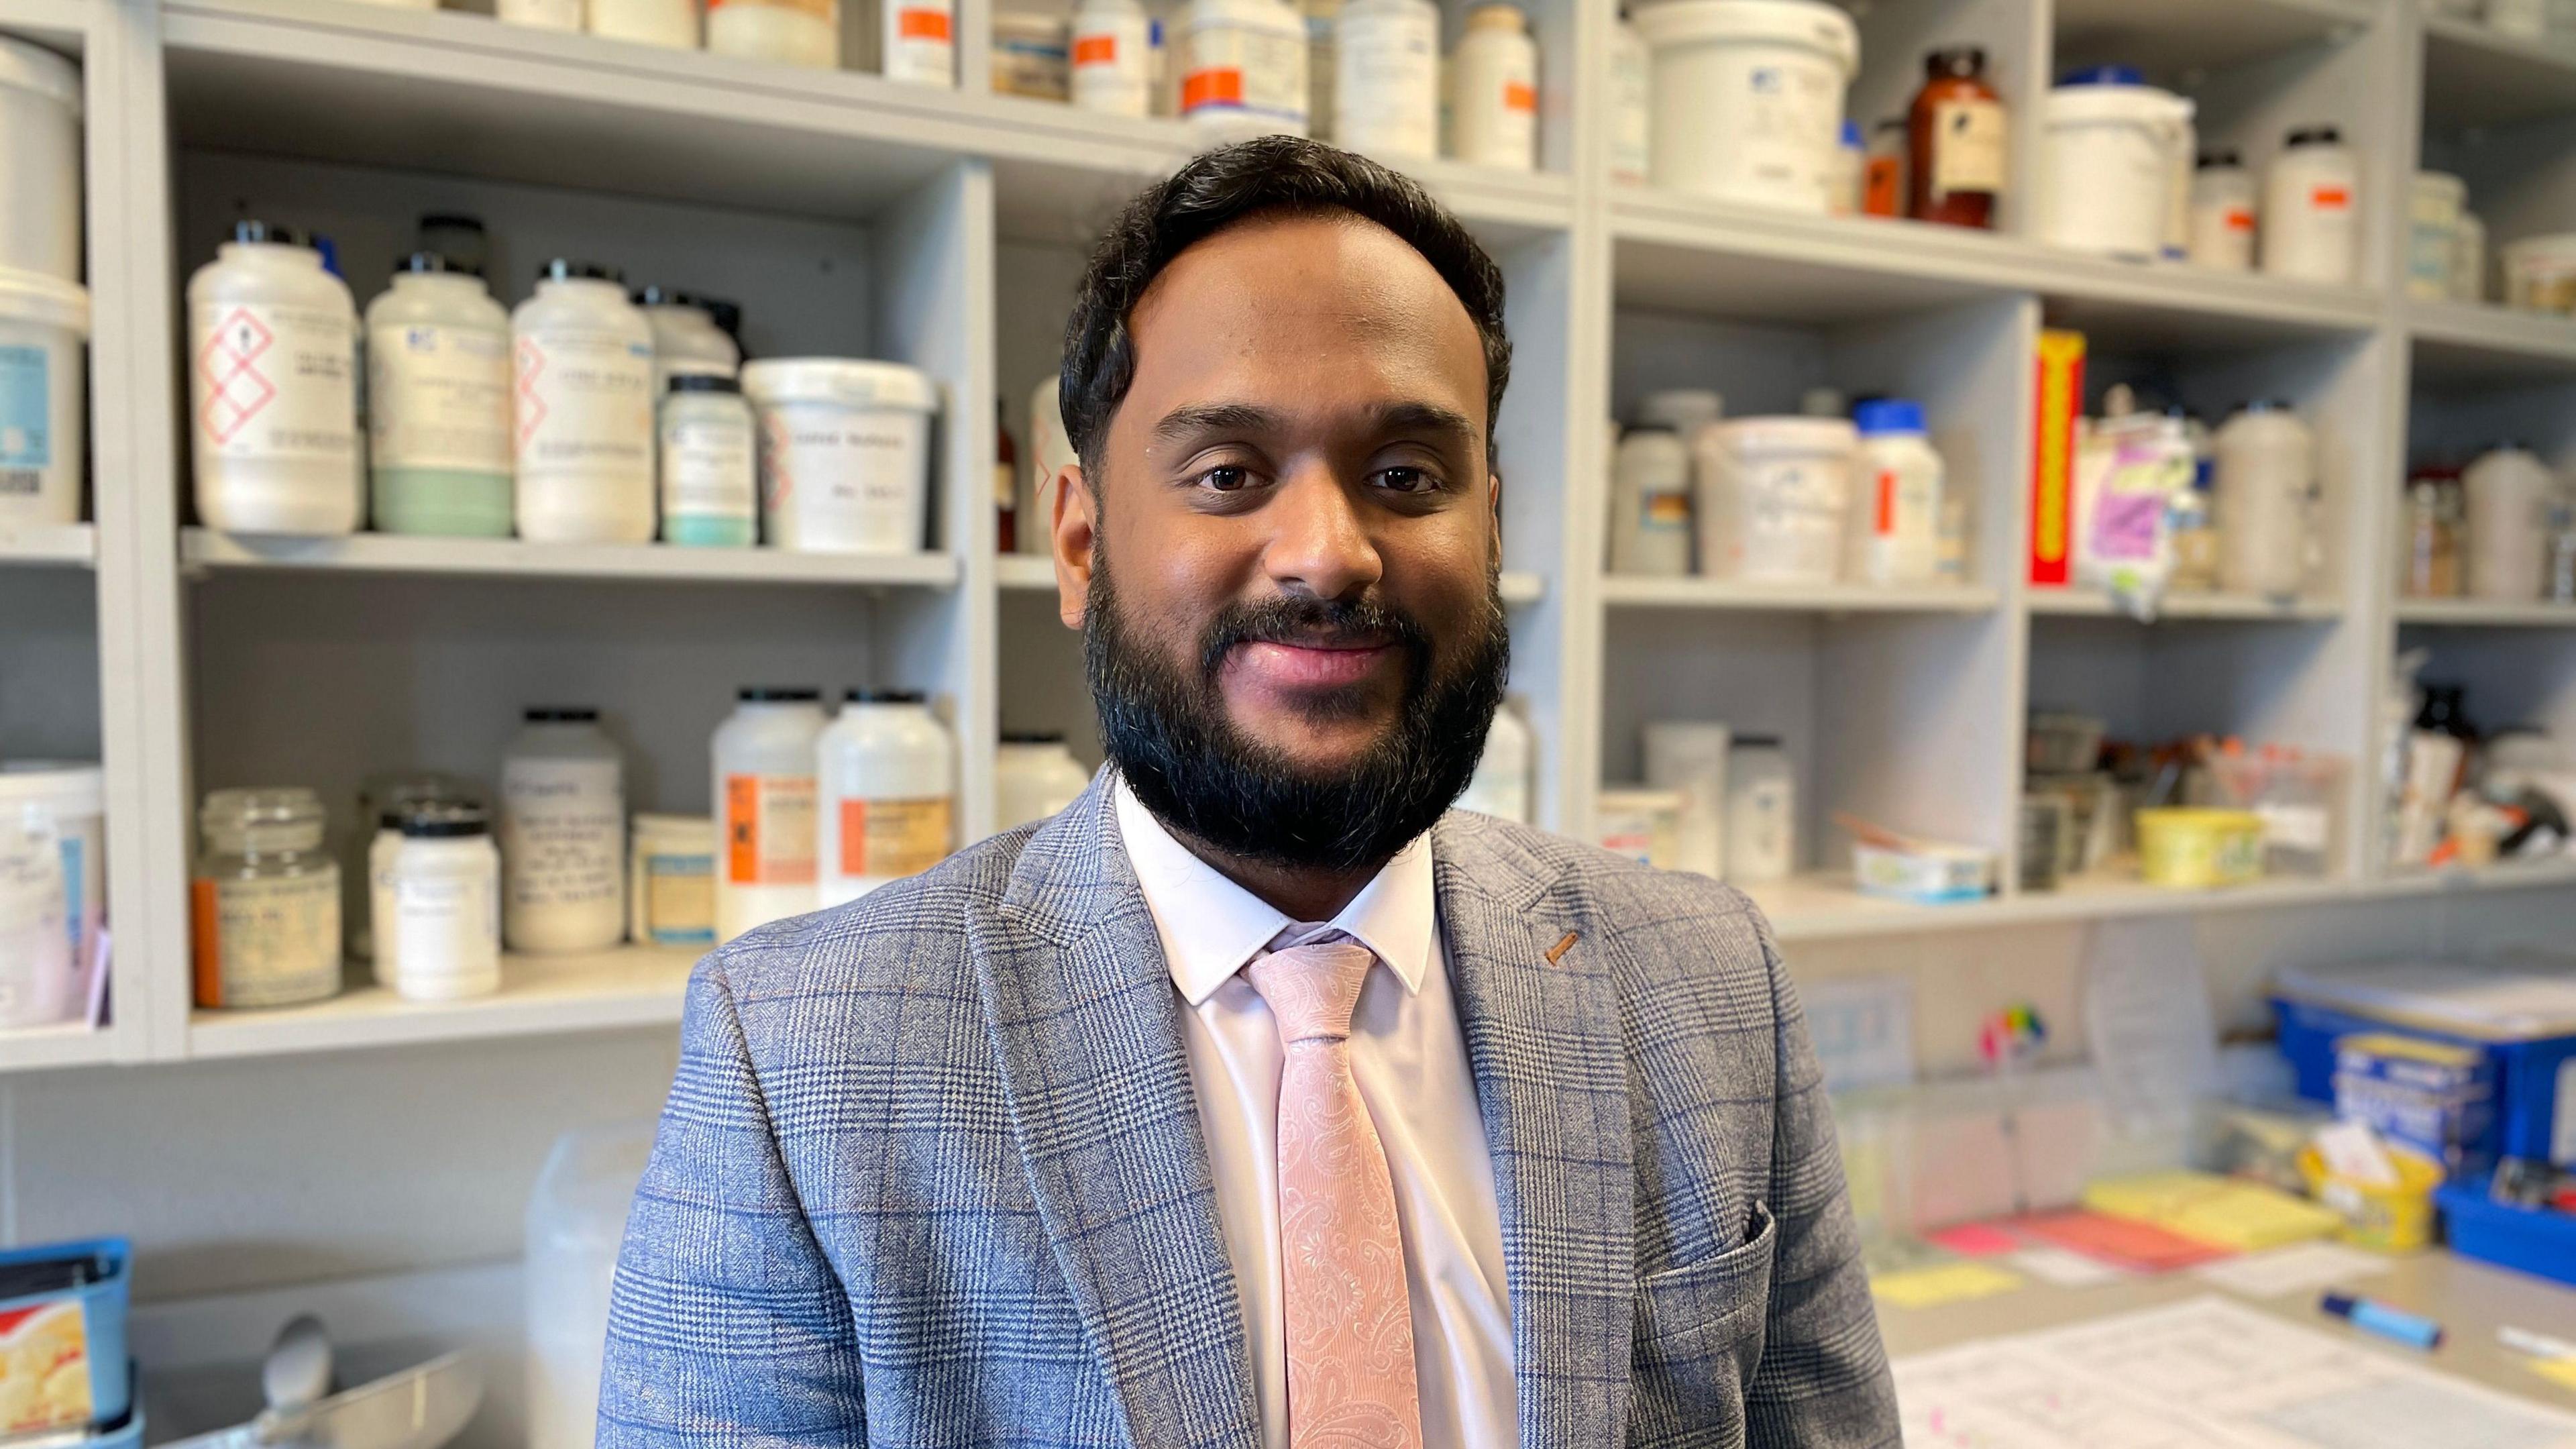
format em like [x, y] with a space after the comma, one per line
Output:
[1319, 544]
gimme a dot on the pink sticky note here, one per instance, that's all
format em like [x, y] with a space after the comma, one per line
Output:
[1977, 1240]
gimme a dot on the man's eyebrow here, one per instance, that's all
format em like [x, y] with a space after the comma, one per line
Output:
[1184, 423]
[1419, 417]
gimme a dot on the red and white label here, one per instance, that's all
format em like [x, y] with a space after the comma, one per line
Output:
[273, 383]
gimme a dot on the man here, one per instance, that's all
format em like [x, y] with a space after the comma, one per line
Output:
[1256, 1101]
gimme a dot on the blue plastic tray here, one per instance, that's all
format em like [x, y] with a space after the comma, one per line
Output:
[2533, 1240]
[111, 1378]
[2526, 1074]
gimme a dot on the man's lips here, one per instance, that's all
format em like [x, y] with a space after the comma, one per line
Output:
[1310, 664]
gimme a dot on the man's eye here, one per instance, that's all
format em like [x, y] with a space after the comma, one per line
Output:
[1408, 480]
[1227, 479]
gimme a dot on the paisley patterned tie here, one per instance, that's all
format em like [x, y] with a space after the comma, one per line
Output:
[1350, 1323]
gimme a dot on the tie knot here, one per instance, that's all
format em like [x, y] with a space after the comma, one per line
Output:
[1314, 988]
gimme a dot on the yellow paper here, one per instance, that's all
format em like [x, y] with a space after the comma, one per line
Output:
[1946, 1283]
[2559, 1371]
[2224, 1212]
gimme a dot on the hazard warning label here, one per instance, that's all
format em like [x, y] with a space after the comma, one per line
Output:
[273, 383]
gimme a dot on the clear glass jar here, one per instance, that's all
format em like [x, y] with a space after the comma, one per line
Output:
[266, 901]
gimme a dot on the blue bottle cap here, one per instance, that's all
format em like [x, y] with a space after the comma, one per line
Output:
[1851, 134]
[1889, 415]
[2104, 75]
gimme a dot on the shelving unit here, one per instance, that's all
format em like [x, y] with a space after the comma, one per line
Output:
[948, 230]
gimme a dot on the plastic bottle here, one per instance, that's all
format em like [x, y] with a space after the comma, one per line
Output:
[1956, 141]
[764, 792]
[1761, 812]
[273, 388]
[265, 901]
[886, 785]
[1113, 58]
[1034, 776]
[1032, 55]
[1883, 168]
[672, 24]
[1896, 528]
[1650, 491]
[671, 880]
[1244, 67]
[918, 42]
[2508, 493]
[584, 359]
[795, 32]
[686, 338]
[1689, 756]
[1850, 182]
[1494, 91]
[438, 403]
[1501, 785]
[563, 834]
[445, 890]
[2311, 205]
[2222, 212]
[1386, 97]
[540, 14]
[2266, 471]
[1632, 112]
[709, 492]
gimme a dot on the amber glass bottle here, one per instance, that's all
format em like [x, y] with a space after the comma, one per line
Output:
[1957, 130]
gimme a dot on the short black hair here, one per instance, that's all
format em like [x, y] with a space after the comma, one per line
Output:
[1271, 175]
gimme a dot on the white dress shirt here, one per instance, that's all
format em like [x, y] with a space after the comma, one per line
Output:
[1411, 1062]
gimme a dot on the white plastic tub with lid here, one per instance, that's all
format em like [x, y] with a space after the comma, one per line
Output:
[273, 388]
[670, 882]
[1748, 98]
[2540, 274]
[2108, 163]
[40, 172]
[1774, 497]
[844, 453]
[53, 866]
[43, 398]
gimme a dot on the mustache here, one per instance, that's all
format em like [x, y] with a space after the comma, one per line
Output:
[1288, 619]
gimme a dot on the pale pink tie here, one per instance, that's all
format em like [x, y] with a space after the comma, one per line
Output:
[1350, 1323]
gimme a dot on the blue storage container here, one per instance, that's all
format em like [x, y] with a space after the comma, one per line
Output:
[2533, 1240]
[2520, 1011]
[102, 1304]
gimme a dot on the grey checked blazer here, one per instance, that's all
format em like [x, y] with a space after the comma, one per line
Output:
[932, 1172]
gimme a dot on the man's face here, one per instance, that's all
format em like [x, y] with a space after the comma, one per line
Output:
[1300, 518]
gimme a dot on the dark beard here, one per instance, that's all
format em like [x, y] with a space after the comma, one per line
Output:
[1167, 732]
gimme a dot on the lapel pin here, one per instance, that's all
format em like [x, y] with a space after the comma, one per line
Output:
[1560, 948]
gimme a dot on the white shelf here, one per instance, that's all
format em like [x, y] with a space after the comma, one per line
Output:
[2481, 611]
[73, 544]
[631, 986]
[65, 23]
[2090, 603]
[2464, 344]
[40, 1048]
[2475, 78]
[2503, 875]
[510, 558]
[1634, 591]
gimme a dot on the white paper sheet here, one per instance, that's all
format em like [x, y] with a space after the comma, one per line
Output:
[2301, 1268]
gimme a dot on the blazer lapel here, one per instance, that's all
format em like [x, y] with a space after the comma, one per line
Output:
[1544, 1042]
[1086, 1028]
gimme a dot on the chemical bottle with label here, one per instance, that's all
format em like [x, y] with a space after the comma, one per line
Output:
[1113, 53]
[1650, 493]
[540, 14]
[1244, 67]
[1956, 141]
[1883, 168]
[1493, 119]
[443, 880]
[919, 44]
[2311, 206]
[264, 901]
[2263, 480]
[273, 388]
[438, 403]
[791, 32]
[686, 338]
[1761, 812]
[1034, 776]
[1500, 787]
[1387, 95]
[671, 24]
[2222, 212]
[886, 780]
[764, 794]
[1896, 527]
[563, 834]
[583, 356]
[709, 492]
[1632, 113]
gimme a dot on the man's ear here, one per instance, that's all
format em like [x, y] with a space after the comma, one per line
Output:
[1074, 532]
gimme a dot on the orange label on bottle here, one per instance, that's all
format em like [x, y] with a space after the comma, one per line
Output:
[205, 928]
[1220, 86]
[769, 829]
[1520, 96]
[2330, 198]
[1883, 520]
[893, 837]
[2239, 219]
[1883, 187]
[921, 24]
[1095, 50]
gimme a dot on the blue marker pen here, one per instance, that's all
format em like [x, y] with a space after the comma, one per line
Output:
[2387, 1322]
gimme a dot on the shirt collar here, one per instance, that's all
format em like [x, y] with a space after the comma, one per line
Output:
[1211, 927]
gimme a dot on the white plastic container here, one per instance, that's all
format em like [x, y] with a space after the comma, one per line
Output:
[2265, 475]
[1748, 97]
[1632, 108]
[686, 339]
[671, 881]
[563, 834]
[438, 404]
[2223, 204]
[1113, 58]
[2469, 259]
[2312, 209]
[2540, 274]
[2433, 204]
[1032, 55]
[1049, 452]
[917, 42]
[1850, 180]
[2507, 492]
[53, 867]
[584, 409]
[1689, 757]
[1761, 812]
[886, 781]
[764, 793]
[1493, 91]
[40, 162]
[1639, 825]
[1386, 85]
[1896, 522]
[2108, 159]
[540, 14]
[671, 24]
[576, 1225]
[445, 884]
[844, 453]
[264, 902]
[1501, 785]
[1034, 776]
[1244, 67]
[1774, 497]
[273, 388]
[1683, 410]
[44, 412]
[710, 494]
[791, 32]
[1650, 501]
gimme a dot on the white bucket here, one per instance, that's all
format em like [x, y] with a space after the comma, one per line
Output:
[2108, 167]
[1775, 498]
[1748, 98]
[53, 892]
[40, 146]
[2540, 274]
[844, 453]
[43, 399]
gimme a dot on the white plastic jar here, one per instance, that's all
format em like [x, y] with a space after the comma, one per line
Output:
[438, 404]
[1650, 503]
[265, 901]
[53, 867]
[1896, 527]
[917, 42]
[764, 793]
[445, 884]
[686, 338]
[791, 32]
[1493, 91]
[2540, 274]
[383, 802]
[1032, 55]
[885, 775]
[1113, 58]
[1034, 776]
[2223, 203]
[44, 412]
[1244, 67]
[1689, 758]
[1684, 410]
[671, 881]
[2469, 259]
[2108, 161]
[540, 14]
[2264, 476]
[671, 24]
[1639, 825]
[2507, 494]
[1632, 120]
[1774, 496]
[710, 495]
[2311, 209]
[1386, 85]
[1761, 812]
[273, 388]
[584, 360]
[1748, 97]
[40, 162]
[2433, 204]
[1501, 784]
[563, 834]
[844, 453]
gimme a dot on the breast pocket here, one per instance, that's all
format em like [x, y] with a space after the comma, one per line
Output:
[1698, 1340]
